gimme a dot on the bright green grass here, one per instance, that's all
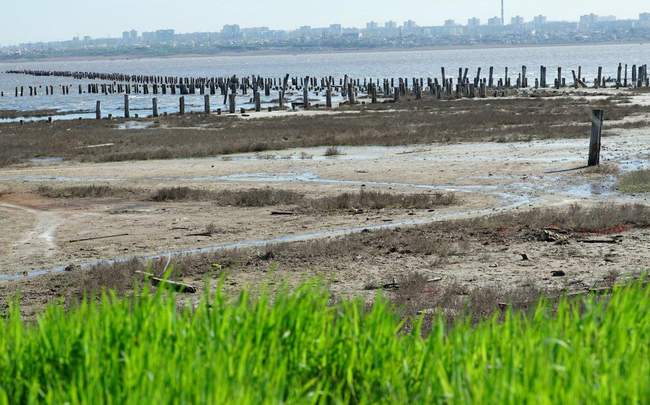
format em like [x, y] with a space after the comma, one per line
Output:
[300, 350]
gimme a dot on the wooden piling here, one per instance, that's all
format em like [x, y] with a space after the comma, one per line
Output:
[181, 105]
[126, 106]
[154, 102]
[98, 110]
[597, 117]
[206, 103]
[305, 98]
[232, 103]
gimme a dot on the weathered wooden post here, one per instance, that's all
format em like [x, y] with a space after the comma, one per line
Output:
[154, 102]
[351, 93]
[305, 98]
[206, 103]
[597, 117]
[559, 78]
[328, 97]
[181, 105]
[98, 110]
[127, 113]
[232, 101]
[600, 77]
[258, 101]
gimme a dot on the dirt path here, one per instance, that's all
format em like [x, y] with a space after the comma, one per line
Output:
[29, 245]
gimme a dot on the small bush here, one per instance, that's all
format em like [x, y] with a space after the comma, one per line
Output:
[332, 151]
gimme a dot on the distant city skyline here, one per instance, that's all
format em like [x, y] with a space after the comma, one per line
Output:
[43, 20]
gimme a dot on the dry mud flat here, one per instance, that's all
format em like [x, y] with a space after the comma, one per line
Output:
[44, 235]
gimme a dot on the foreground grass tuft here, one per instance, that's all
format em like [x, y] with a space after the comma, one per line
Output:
[635, 182]
[300, 349]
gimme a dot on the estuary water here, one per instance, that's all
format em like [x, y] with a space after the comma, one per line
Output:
[375, 64]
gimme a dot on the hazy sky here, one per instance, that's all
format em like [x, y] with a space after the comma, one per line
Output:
[44, 20]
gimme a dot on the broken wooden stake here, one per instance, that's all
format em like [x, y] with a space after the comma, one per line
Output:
[178, 286]
[597, 117]
[98, 238]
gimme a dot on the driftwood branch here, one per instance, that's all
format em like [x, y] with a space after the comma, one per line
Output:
[98, 238]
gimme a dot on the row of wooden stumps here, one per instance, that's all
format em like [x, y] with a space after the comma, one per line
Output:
[232, 106]
[447, 87]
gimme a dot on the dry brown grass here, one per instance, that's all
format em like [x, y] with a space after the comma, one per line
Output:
[408, 122]
[600, 218]
[238, 198]
[262, 197]
[90, 191]
[380, 200]
[418, 295]
[635, 182]
[607, 169]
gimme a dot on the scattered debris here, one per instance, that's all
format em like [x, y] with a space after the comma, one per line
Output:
[558, 273]
[178, 286]
[548, 235]
[612, 240]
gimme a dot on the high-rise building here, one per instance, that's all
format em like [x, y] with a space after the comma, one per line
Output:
[372, 25]
[335, 30]
[517, 20]
[494, 21]
[165, 35]
[410, 24]
[390, 25]
[539, 20]
[450, 23]
[231, 31]
[473, 22]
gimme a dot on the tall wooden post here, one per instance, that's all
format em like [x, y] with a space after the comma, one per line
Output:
[258, 101]
[154, 102]
[305, 98]
[127, 113]
[597, 117]
[232, 101]
[351, 93]
[98, 110]
[181, 105]
[206, 103]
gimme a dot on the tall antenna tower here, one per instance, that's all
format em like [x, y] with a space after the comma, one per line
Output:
[503, 17]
